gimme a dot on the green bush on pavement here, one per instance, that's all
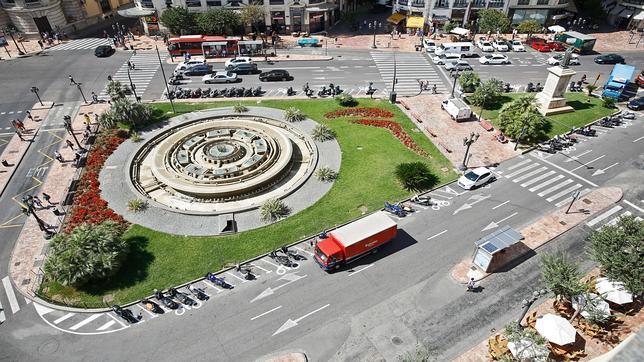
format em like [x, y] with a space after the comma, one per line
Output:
[345, 100]
[529, 27]
[239, 108]
[322, 133]
[561, 275]
[608, 102]
[292, 114]
[326, 174]
[520, 119]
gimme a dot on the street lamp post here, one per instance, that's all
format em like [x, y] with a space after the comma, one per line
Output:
[132, 85]
[374, 24]
[454, 74]
[35, 91]
[528, 302]
[67, 123]
[10, 30]
[165, 81]
[392, 95]
[467, 142]
[30, 210]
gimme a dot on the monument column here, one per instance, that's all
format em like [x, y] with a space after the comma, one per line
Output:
[551, 100]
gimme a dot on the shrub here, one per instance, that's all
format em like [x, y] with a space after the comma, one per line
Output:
[608, 102]
[239, 108]
[469, 81]
[126, 112]
[415, 176]
[561, 275]
[345, 100]
[137, 205]
[135, 137]
[323, 133]
[292, 114]
[273, 210]
[89, 252]
[326, 174]
[591, 88]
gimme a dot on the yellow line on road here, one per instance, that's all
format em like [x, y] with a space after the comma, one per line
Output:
[10, 226]
[10, 220]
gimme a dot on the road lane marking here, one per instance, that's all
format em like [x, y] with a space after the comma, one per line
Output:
[573, 158]
[546, 183]
[66, 316]
[439, 234]
[105, 326]
[529, 174]
[638, 139]
[634, 206]
[603, 170]
[304, 251]
[13, 302]
[85, 321]
[587, 163]
[499, 205]
[603, 216]
[495, 224]
[554, 188]
[521, 170]
[265, 313]
[260, 268]
[570, 173]
[564, 192]
[536, 179]
[519, 164]
[233, 275]
[116, 320]
[290, 323]
[358, 271]
[2, 317]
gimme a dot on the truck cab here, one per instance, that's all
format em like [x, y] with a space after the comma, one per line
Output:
[328, 255]
[620, 82]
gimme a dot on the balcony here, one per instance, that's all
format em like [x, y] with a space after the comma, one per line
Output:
[460, 4]
[417, 4]
[32, 4]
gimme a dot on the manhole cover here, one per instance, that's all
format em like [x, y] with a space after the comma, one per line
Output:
[396, 340]
[562, 222]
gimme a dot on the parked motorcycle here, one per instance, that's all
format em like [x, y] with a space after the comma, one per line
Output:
[422, 200]
[152, 306]
[198, 292]
[218, 281]
[126, 314]
[182, 297]
[169, 303]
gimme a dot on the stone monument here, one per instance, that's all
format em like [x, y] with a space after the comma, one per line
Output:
[551, 100]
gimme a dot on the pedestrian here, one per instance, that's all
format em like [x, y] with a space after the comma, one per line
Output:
[77, 158]
[96, 117]
[59, 157]
[20, 125]
[20, 135]
[5, 163]
[69, 144]
[471, 285]
[71, 80]
[88, 127]
[40, 43]
[86, 119]
[47, 198]
[56, 211]
[29, 115]
[94, 98]
[37, 202]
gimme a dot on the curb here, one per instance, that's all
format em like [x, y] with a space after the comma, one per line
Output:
[19, 161]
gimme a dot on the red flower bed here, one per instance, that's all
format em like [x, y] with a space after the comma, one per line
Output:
[396, 130]
[88, 205]
[359, 112]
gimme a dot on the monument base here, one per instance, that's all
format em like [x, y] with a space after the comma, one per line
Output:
[551, 100]
[550, 106]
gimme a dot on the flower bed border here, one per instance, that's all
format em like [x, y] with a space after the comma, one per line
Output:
[366, 112]
[396, 129]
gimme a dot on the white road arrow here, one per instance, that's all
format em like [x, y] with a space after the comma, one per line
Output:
[601, 171]
[290, 323]
[292, 278]
[494, 224]
[478, 198]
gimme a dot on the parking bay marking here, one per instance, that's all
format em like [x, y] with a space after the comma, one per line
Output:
[291, 278]
[265, 313]
[290, 323]
[439, 234]
[499, 205]
[359, 270]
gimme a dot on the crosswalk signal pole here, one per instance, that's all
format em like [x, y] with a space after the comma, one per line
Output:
[133, 86]
[165, 81]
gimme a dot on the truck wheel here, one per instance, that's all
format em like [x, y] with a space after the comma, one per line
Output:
[375, 251]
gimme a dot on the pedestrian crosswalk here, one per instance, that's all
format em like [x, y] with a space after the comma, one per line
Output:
[9, 303]
[410, 68]
[146, 65]
[611, 216]
[540, 180]
[81, 44]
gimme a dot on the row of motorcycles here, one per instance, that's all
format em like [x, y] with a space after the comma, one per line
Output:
[576, 86]
[332, 90]
[401, 209]
[534, 88]
[186, 93]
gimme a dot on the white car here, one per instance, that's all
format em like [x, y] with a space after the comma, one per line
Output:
[517, 46]
[485, 45]
[494, 59]
[221, 77]
[500, 45]
[476, 178]
[238, 60]
[188, 63]
[557, 58]
[429, 45]
[459, 65]
[442, 59]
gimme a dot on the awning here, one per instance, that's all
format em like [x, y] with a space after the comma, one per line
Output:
[135, 12]
[557, 28]
[460, 31]
[639, 16]
[440, 18]
[415, 22]
[322, 8]
[250, 42]
[626, 13]
[395, 18]
[561, 16]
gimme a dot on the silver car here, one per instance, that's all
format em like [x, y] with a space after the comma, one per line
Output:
[459, 65]
[221, 77]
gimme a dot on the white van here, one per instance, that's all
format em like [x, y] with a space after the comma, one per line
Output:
[429, 45]
[457, 109]
[465, 49]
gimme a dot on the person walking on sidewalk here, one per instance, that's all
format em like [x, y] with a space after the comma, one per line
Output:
[71, 80]
[471, 285]
[30, 116]
[20, 135]
[77, 158]
[69, 144]
[86, 119]
[59, 157]
[37, 202]
[46, 197]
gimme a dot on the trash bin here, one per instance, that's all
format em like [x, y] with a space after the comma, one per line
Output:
[392, 97]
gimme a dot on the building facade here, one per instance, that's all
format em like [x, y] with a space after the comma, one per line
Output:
[38, 16]
[625, 13]
[436, 12]
[283, 16]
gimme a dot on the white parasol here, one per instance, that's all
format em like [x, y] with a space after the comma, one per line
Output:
[613, 291]
[591, 303]
[556, 329]
[556, 29]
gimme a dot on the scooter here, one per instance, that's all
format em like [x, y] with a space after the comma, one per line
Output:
[182, 297]
[218, 281]
[198, 292]
[290, 91]
[507, 88]
[126, 314]
[152, 306]
[282, 259]
[422, 200]
[293, 255]
[246, 271]
[627, 115]
[530, 88]
[165, 300]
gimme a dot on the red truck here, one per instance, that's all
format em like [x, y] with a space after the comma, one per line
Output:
[350, 242]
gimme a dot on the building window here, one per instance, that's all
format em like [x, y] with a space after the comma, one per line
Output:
[193, 3]
[523, 2]
[276, 2]
[542, 2]
[562, 2]
[460, 3]
[442, 4]
[213, 3]
[316, 1]
[496, 3]
[478, 3]
[147, 4]
[418, 3]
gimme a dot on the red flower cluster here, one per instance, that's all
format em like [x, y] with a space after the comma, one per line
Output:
[88, 205]
[359, 112]
[396, 130]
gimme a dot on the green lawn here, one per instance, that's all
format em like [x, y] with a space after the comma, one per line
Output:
[587, 109]
[369, 156]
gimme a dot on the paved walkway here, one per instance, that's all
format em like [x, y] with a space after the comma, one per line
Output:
[29, 251]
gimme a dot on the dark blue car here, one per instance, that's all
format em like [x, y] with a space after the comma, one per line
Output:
[198, 69]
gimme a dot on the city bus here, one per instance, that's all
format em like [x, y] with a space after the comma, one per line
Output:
[213, 46]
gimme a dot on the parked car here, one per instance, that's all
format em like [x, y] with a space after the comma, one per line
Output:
[538, 44]
[500, 45]
[429, 45]
[609, 59]
[494, 59]
[103, 51]
[238, 60]
[243, 68]
[556, 59]
[275, 74]
[188, 63]
[556, 46]
[440, 60]
[640, 79]
[636, 104]
[517, 46]
[198, 69]
[476, 178]
[221, 77]
[459, 65]
[485, 45]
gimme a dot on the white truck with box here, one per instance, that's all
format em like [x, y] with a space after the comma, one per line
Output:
[457, 109]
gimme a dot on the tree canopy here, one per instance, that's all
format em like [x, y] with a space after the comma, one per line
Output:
[619, 250]
[178, 20]
[415, 176]
[523, 112]
[89, 252]
[486, 93]
[252, 14]
[561, 275]
[218, 21]
[529, 27]
[492, 20]
[469, 81]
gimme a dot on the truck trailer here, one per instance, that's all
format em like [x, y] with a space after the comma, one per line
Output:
[354, 240]
[619, 82]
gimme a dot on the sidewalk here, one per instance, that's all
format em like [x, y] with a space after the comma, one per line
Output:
[27, 257]
[16, 149]
[546, 229]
